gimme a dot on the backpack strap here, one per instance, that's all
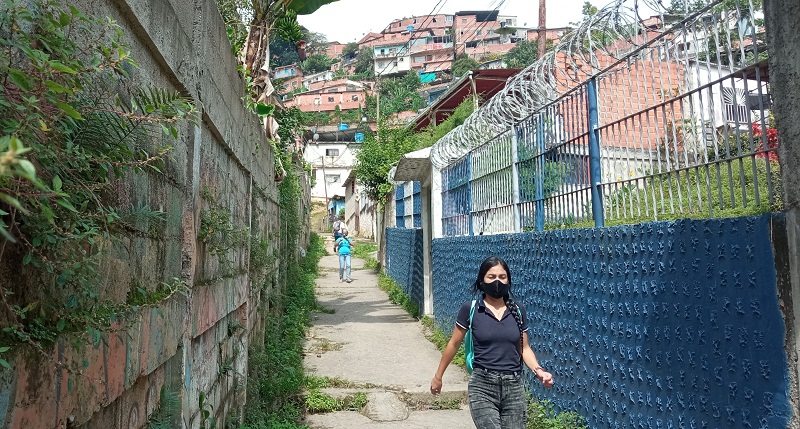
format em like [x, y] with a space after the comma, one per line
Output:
[471, 313]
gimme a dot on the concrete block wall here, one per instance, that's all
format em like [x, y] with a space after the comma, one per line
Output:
[189, 344]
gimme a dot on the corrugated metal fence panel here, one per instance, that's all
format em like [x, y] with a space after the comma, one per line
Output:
[456, 199]
[399, 206]
[492, 186]
[404, 261]
[664, 324]
[417, 205]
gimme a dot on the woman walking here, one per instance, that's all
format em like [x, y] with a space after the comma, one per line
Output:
[344, 247]
[496, 394]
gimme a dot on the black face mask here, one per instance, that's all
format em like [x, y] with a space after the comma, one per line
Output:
[495, 289]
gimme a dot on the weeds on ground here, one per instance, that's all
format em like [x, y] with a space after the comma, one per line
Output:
[440, 340]
[397, 296]
[542, 415]
[364, 251]
[320, 402]
[275, 398]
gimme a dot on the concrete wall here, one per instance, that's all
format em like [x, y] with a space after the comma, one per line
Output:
[190, 344]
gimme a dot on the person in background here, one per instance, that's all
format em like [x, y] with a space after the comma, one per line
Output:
[344, 247]
[338, 225]
[496, 392]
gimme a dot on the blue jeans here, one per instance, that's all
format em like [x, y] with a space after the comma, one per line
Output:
[344, 266]
[497, 401]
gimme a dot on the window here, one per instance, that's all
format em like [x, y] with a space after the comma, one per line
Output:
[331, 152]
[480, 32]
[330, 99]
[491, 31]
[294, 84]
[332, 178]
[354, 98]
[463, 20]
[448, 19]
[333, 90]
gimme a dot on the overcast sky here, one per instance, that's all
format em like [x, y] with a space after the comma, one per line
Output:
[347, 21]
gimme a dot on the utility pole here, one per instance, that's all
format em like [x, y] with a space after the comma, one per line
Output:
[542, 28]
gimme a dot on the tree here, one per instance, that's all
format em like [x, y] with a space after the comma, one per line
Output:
[523, 54]
[589, 9]
[365, 63]
[264, 15]
[398, 95]
[316, 63]
[350, 49]
[463, 64]
[376, 157]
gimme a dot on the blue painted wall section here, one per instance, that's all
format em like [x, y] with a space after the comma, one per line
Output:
[404, 262]
[657, 325]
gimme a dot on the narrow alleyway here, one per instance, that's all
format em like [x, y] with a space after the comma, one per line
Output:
[379, 349]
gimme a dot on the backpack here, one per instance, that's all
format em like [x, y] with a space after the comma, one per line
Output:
[337, 226]
[469, 351]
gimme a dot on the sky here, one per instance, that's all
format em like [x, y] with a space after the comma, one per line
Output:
[347, 21]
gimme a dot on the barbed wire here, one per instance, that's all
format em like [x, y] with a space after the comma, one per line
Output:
[590, 48]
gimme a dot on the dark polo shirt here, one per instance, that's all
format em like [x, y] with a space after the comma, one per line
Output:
[496, 342]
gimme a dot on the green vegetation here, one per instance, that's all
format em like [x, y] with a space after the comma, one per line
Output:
[440, 340]
[380, 152]
[167, 414]
[364, 251]
[316, 63]
[397, 95]
[275, 397]
[541, 415]
[320, 402]
[463, 64]
[397, 296]
[71, 103]
[690, 194]
[525, 53]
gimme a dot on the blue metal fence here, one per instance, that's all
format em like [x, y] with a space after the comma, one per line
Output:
[672, 324]
[675, 124]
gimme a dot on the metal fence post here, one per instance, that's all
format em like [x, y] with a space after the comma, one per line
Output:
[594, 153]
[469, 192]
[515, 179]
[539, 176]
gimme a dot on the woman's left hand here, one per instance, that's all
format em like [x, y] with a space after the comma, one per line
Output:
[545, 377]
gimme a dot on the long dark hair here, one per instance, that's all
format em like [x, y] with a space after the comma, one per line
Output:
[486, 265]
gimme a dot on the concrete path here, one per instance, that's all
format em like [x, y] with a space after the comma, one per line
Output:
[379, 349]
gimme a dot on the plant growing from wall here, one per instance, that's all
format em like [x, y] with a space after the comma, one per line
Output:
[73, 123]
[168, 411]
[219, 232]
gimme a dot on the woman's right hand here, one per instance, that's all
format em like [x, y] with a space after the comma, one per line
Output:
[436, 385]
